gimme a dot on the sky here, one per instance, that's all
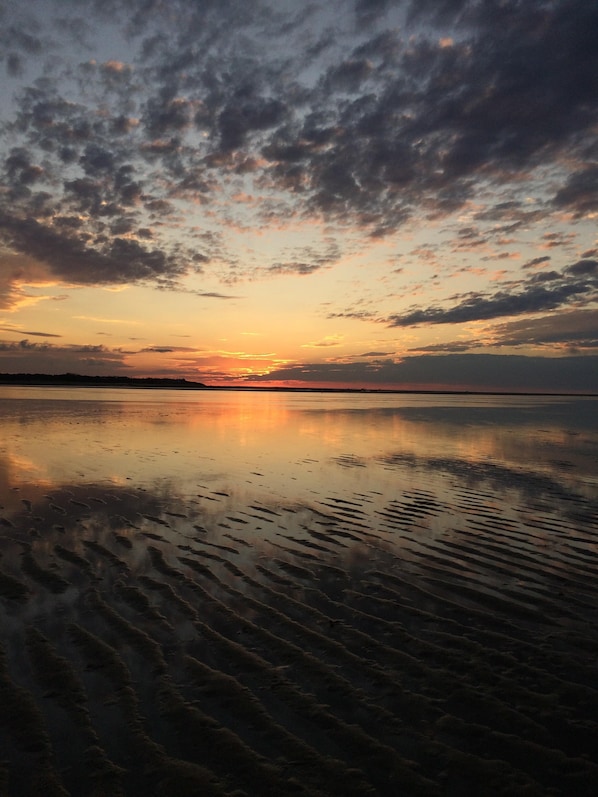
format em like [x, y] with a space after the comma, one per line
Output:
[340, 193]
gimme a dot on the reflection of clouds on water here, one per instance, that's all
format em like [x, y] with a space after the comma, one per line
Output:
[499, 477]
[287, 445]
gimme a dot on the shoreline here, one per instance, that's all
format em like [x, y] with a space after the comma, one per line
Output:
[152, 383]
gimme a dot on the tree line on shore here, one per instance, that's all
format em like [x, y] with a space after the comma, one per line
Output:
[96, 381]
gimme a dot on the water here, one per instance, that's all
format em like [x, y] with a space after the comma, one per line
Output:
[426, 560]
[204, 457]
[287, 446]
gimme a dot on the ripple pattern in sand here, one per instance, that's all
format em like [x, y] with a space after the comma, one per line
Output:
[436, 639]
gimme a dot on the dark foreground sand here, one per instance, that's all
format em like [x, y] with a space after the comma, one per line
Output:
[210, 646]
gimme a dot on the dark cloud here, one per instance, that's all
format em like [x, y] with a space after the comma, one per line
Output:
[294, 268]
[448, 347]
[541, 291]
[306, 261]
[164, 349]
[16, 274]
[584, 268]
[24, 345]
[368, 11]
[214, 295]
[25, 356]
[573, 332]
[505, 96]
[360, 315]
[74, 259]
[97, 160]
[440, 12]
[87, 228]
[542, 88]
[20, 169]
[580, 193]
[27, 332]
[14, 65]
[349, 75]
[576, 329]
[18, 42]
[536, 261]
[245, 115]
[372, 117]
[509, 217]
[165, 115]
[452, 371]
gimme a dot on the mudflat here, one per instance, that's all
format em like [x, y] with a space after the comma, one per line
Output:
[430, 630]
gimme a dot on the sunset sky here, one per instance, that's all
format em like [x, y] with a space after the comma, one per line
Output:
[364, 193]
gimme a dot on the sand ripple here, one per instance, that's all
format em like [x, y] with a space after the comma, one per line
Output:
[440, 640]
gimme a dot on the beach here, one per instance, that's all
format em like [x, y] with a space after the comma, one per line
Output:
[237, 601]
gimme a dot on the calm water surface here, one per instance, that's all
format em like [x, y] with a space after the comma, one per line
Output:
[286, 445]
[204, 455]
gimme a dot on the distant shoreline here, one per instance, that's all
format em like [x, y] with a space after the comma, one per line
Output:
[78, 380]
[156, 383]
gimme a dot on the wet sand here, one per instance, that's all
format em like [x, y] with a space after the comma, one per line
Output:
[426, 642]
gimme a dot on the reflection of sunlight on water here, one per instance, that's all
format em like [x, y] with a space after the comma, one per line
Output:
[283, 444]
[18, 469]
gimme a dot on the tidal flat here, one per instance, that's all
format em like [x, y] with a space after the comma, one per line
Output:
[297, 594]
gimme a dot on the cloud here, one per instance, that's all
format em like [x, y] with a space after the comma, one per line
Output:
[327, 342]
[448, 347]
[17, 272]
[580, 193]
[515, 88]
[26, 356]
[371, 118]
[69, 256]
[18, 43]
[450, 371]
[18, 331]
[164, 349]
[359, 315]
[167, 115]
[300, 269]
[214, 295]
[536, 261]
[306, 260]
[541, 291]
[576, 329]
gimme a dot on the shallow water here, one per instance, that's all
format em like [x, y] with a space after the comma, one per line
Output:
[411, 566]
[284, 445]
